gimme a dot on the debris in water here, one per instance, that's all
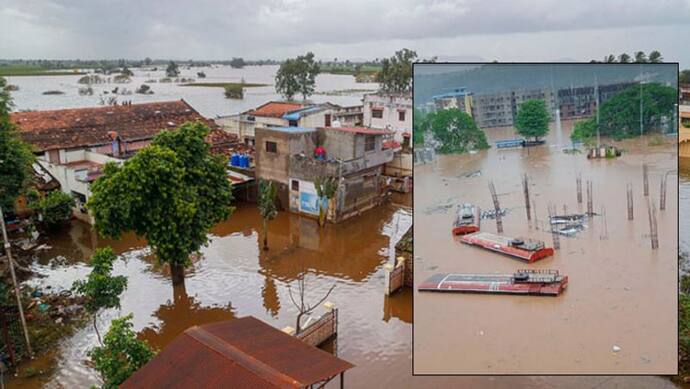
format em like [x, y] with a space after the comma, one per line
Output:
[491, 213]
[616, 348]
[474, 173]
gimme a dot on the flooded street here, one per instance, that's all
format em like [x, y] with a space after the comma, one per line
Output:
[209, 101]
[621, 293]
[234, 278]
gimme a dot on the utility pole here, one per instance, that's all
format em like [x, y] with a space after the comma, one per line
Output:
[8, 252]
[497, 208]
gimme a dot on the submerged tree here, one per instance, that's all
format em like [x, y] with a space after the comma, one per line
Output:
[15, 155]
[396, 72]
[171, 193]
[121, 354]
[457, 131]
[101, 289]
[420, 125]
[584, 131]
[532, 119]
[303, 307]
[172, 70]
[267, 206]
[326, 189]
[297, 76]
[620, 115]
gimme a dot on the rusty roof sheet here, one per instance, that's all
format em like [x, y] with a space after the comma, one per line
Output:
[242, 352]
[275, 109]
[82, 127]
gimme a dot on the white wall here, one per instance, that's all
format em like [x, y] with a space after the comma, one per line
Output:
[390, 120]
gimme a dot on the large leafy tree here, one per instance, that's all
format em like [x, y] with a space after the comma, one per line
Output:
[15, 155]
[267, 206]
[396, 71]
[297, 76]
[532, 119]
[620, 115]
[101, 289]
[121, 354]
[171, 193]
[640, 57]
[584, 131]
[456, 131]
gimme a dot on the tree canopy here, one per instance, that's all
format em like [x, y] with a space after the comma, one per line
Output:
[420, 124]
[532, 119]
[584, 130]
[684, 76]
[172, 70]
[15, 155]
[396, 71]
[55, 208]
[171, 193]
[456, 131]
[297, 76]
[237, 63]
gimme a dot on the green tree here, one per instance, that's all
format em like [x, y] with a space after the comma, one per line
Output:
[101, 289]
[121, 354]
[620, 115]
[420, 124]
[457, 132]
[396, 72]
[584, 131]
[640, 57]
[684, 76]
[325, 191]
[171, 193]
[15, 155]
[297, 76]
[172, 70]
[55, 208]
[126, 72]
[532, 119]
[237, 63]
[147, 61]
[624, 58]
[610, 58]
[267, 206]
[655, 57]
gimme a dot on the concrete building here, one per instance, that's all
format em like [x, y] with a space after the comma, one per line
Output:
[582, 101]
[685, 94]
[73, 145]
[278, 114]
[459, 98]
[354, 156]
[388, 111]
[351, 116]
[684, 132]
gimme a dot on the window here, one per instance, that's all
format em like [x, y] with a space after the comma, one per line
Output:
[377, 113]
[327, 120]
[401, 116]
[295, 185]
[369, 143]
[271, 147]
[292, 123]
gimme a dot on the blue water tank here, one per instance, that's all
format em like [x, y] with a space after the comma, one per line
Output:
[235, 159]
[244, 161]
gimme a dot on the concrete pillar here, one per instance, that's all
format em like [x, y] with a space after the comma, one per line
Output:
[388, 268]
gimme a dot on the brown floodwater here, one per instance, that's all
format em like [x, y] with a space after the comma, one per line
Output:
[621, 292]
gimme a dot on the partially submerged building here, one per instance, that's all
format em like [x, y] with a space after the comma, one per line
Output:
[278, 114]
[355, 157]
[73, 145]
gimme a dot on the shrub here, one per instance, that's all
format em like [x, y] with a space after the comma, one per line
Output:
[54, 209]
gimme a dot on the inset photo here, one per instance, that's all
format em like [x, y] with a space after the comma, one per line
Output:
[546, 218]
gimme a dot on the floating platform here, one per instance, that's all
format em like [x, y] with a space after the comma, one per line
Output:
[466, 220]
[526, 250]
[524, 282]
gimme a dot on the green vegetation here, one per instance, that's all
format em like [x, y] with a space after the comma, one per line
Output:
[122, 79]
[101, 289]
[396, 72]
[171, 193]
[144, 89]
[91, 79]
[225, 84]
[297, 76]
[267, 206]
[237, 63]
[584, 131]
[172, 70]
[532, 119]
[684, 76]
[15, 70]
[16, 156]
[363, 72]
[234, 92]
[325, 189]
[420, 124]
[638, 57]
[126, 72]
[53, 92]
[121, 354]
[54, 209]
[456, 130]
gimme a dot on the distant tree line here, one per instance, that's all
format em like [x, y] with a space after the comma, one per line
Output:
[638, 57]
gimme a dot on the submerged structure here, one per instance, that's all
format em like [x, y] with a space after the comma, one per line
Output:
[526, 250]
[526, 282]
[466, 220]
[603, 151]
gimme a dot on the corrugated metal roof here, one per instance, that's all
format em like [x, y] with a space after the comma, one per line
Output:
[242, 353]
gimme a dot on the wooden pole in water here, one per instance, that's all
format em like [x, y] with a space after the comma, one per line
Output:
[525, 186]
[8, 252]
[604, 227]
[554, 234]
[662, 198]
[651, 211]
[497, 208]
[578, 182]
[630, 201]
[536, 221]
[590, 201]
[645, 179]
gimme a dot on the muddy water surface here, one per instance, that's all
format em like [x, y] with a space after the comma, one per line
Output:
[620, 293]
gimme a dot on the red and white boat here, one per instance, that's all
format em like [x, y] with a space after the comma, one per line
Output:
[525, 282]
[526, 250]
[466, 220]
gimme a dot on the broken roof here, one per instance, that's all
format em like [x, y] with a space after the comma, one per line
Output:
[82, 127]
[242, 352]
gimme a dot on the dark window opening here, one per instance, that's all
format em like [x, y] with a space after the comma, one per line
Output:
[292, 123]
[401, 116]
[377, 113]
[295, 185]
[369, 143]
[271, 147]
[327, 119]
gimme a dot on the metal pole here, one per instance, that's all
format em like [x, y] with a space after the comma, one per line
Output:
[14, 281]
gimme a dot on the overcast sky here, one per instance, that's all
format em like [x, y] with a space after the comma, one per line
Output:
[506, 30]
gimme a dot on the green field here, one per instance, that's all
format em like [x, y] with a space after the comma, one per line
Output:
[224, 84]
[29, 70]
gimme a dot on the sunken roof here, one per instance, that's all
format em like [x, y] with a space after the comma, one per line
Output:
[241, 353]
[82, 127]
